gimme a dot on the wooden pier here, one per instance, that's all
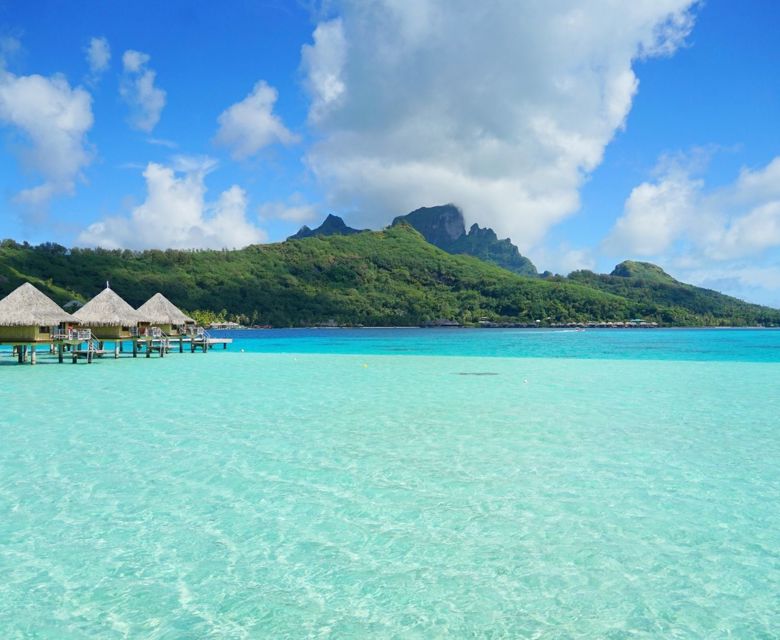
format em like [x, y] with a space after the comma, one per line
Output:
[91, 350]
[31, 324]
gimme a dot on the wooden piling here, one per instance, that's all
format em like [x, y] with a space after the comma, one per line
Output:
[60, 354]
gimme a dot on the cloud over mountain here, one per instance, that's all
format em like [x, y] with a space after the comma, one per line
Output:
[503, 108]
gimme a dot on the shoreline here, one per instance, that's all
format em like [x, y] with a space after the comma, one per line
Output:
[514, 327]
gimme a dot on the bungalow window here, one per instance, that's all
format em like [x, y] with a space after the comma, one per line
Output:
[44, 329]
[125, 328]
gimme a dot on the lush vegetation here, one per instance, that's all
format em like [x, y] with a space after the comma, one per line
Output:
[392, 277]
[649, 286]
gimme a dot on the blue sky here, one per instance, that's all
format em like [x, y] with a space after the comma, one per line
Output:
[589, 132]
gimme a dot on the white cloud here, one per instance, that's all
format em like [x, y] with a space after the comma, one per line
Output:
[655, 215]
[98, 56]
[250, 125]
[134, 61]
[296, 209]
[324, 63]
[726, 238]
[137, 89]
[734, 221]
[53, 119]
[176, 214]
[502, 108]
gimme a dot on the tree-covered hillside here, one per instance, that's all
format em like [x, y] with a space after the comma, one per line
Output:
[648, 284]
[391, 277]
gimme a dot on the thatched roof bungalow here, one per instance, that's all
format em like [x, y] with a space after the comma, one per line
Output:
[109, 317]
[160, 312]
[28, 315]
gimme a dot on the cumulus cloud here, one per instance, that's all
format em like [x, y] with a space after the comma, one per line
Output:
[324, 63]
[726, 238]
[502, 108]
[98, 56]
[656, 214]
[249, 125]
[176, 214]
[52, 120]
[137, 89]
[733, 221]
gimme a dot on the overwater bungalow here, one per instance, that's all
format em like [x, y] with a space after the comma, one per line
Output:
[29, 316]
[109, 317]
[161, 313]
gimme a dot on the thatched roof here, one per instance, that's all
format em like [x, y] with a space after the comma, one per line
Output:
[107, 309]
[159, 310]
[25, 306]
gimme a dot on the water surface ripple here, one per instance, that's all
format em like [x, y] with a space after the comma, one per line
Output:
[248, 495]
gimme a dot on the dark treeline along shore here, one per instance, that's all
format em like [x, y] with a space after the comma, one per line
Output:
[394, 277]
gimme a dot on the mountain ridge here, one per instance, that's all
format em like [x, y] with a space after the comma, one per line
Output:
[444, 227]
[332, 225]
[392, 277]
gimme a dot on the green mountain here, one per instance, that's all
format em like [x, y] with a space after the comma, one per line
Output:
[444, 227]
[331, 226]
[648, 285]
[390, 277]
[642, 271]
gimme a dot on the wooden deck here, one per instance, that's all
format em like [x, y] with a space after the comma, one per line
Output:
[90, 350]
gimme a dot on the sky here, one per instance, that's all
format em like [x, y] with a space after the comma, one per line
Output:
[588, 131]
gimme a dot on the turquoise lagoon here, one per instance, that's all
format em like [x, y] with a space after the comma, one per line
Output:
[397, 484]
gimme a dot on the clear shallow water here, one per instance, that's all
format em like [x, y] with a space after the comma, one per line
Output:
[745, 345]
[246, 495]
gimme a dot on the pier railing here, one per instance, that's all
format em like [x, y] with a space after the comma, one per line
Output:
[79, 335]
[82, 335]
